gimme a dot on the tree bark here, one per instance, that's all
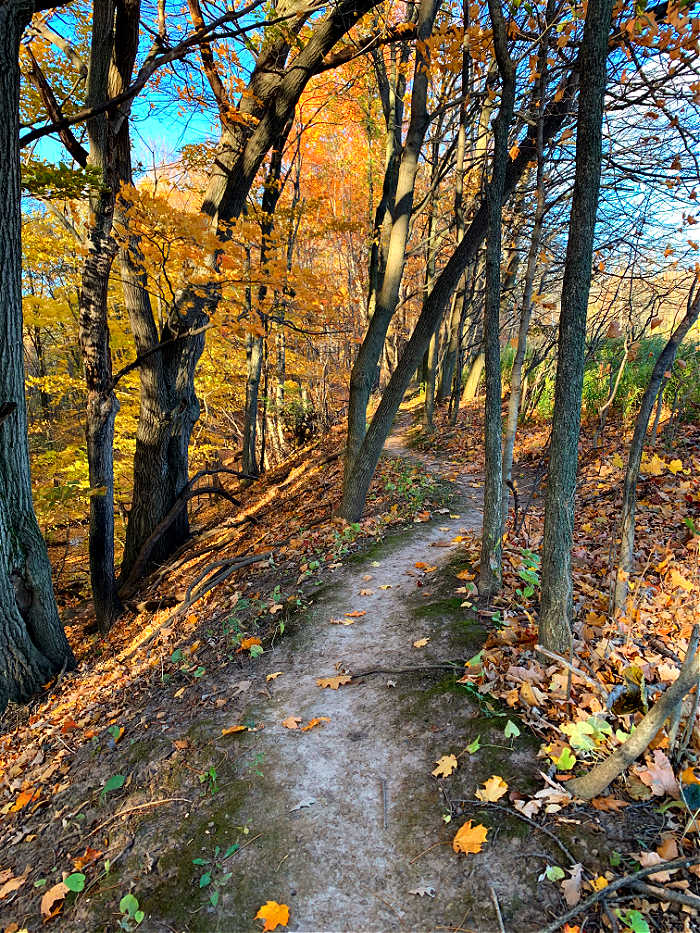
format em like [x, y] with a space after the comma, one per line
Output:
[557, 597]
[364, 368]
[33, 645]
[492, 527]
[663, 364]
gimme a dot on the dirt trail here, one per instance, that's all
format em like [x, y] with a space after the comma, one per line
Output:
[349, 859]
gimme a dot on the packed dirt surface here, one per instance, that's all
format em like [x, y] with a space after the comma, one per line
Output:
[224, 807]
[344, 821]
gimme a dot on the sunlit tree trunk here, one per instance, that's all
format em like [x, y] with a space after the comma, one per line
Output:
[369, 353]
[33, 646]
[663, 364]
[556, 601]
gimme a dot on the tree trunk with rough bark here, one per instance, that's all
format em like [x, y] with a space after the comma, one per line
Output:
[492, 527]
[33, 645]
[663, 364]
[369, 353]
[556, 601]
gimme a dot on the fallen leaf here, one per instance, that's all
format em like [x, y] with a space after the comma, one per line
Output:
[366, 592]
[470, 839]
[334, 682]
[11, 884]
[232, 729]
[53, 899]
[659, 776]
[647, 859]
[307, 802]
[291, 722]
[572, 886]
[357, 614]
[610, 804]
[421, 643]
[493, 790]
[274, 915]
[248, 643]
[23, 799]
[445, 766]
[315, 722]
[273, 676]
[89, 856]
[679, 581]
[599, 882]
[424, 890]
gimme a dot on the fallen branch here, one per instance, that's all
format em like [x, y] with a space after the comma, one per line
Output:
[574, 670]
[626, 882]
[663, 894]
[594, 783]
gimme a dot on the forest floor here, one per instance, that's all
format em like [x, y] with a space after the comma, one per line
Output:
[196, 769]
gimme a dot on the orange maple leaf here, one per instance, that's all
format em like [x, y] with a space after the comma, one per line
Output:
[232, 729]
[274, 915]
[334, 682]
[470, 839]
[90, 855]
[23, 799]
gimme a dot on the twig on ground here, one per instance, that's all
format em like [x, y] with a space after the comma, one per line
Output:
[574, 670]
[520, 816]
[415, 858]
[626, 882]
[497, 908]
[445, 666]
[130, 810]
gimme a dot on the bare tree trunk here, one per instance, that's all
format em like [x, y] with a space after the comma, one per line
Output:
[556, 605]
[364, 368]
[492, 528]
[538, 100]
[33, 646]
[663, 363]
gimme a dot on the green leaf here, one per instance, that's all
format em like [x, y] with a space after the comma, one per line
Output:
[475, 661]
[40, 883]
[634, 921]
[214, 898]
[554, 873]
[114, 732]
[474, 746]
[176, 656]
[511, 731]
[129, 905]
[566, 760]
[205, 879]
[75, 882]
[615, 859]
[256, 651]
[199, 861]
[200, 672]
[231, 849]
[114, 783]
[138, 916]
[580, 735]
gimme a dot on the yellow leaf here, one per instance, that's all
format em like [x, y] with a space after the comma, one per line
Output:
[334, 682]
[232, 729]
[445, 766]
[599, 883]
[493, 789]
[678, 580]
[470, 839]
[617, 461]
[274, 915]
[315, 722]
[421, 643]
[675, 466]
[274, 676]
